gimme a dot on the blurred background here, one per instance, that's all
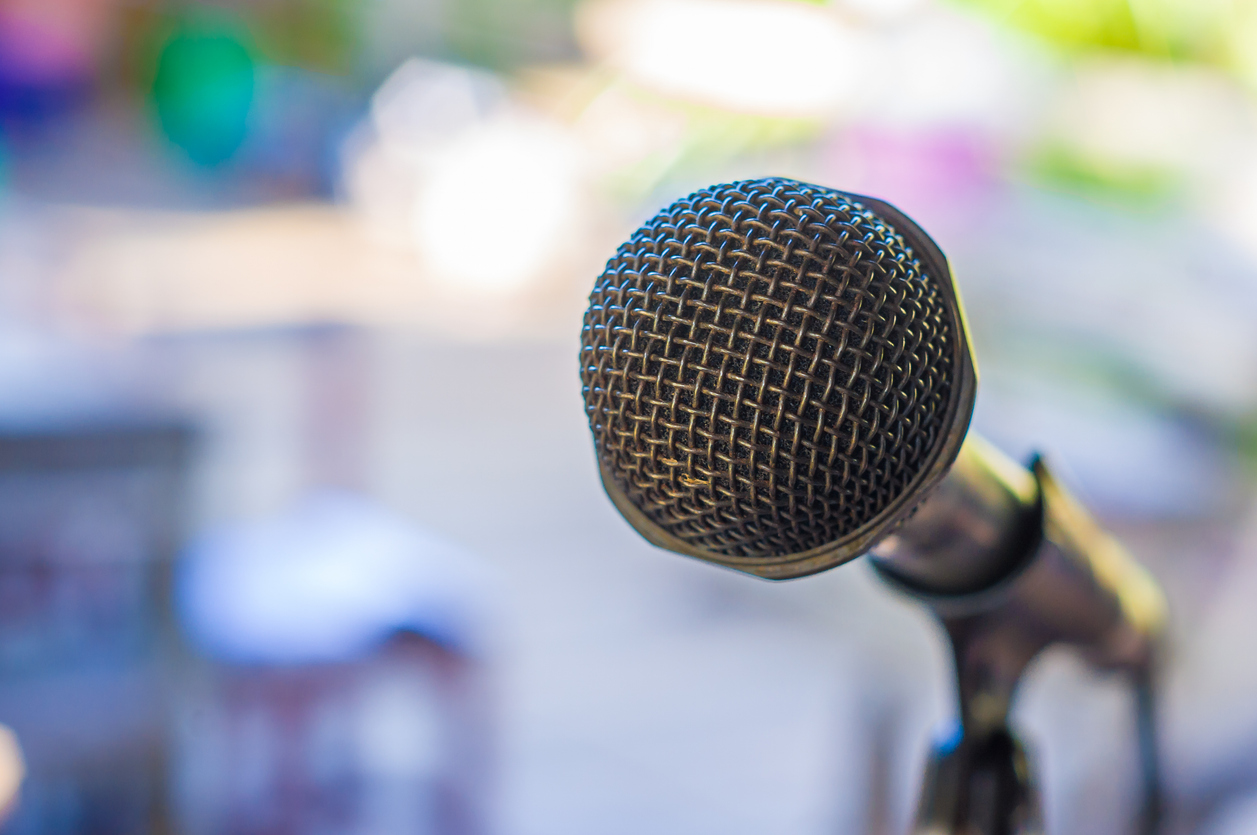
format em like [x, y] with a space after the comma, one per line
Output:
[300, 530]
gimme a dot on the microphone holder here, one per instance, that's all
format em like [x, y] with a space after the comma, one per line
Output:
[978, 779]
[1068, 583]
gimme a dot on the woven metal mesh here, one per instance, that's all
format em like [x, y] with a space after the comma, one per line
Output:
[765, 368]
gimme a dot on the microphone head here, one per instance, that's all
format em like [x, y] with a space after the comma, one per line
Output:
[775, 374]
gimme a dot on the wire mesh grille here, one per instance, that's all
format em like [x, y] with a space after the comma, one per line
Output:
[765, 368]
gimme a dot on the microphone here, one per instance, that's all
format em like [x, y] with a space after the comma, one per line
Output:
[778, 379]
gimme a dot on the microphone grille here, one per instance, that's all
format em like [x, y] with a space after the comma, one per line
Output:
[767, 369]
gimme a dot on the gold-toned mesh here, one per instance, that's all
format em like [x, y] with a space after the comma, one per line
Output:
[765, 368]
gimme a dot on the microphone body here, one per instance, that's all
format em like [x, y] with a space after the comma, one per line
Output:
[778, 380]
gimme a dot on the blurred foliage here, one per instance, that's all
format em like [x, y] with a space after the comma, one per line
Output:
[198, 62]
[1128, 185]
[203, 90]
[1219, 36]
[1243, 436]
[320, 35]
[1219, 33]
[500, 35]
[1163, 28]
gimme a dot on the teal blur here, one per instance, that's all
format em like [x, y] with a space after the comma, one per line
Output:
[203, 92]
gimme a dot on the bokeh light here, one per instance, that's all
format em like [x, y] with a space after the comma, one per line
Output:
[773, 57]
[499, 204]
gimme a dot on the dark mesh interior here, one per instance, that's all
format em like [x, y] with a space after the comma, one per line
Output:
[765, 367]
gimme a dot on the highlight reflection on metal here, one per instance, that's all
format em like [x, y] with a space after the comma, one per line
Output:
[775, 374]
[982, 518]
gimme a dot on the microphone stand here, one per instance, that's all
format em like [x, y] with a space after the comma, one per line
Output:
[1066, 581]
[979, 780]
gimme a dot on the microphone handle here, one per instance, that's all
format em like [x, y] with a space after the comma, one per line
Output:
[973, 530]
[995, 540]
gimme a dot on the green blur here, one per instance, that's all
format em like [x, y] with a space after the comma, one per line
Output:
[203, 92]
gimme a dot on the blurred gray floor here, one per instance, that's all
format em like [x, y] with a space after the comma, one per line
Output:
[640, 691]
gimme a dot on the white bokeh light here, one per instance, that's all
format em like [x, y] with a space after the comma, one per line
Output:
[484, 191]
[765, 57]
[496, 204]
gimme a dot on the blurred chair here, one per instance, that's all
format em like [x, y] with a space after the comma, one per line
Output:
[342, 684]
